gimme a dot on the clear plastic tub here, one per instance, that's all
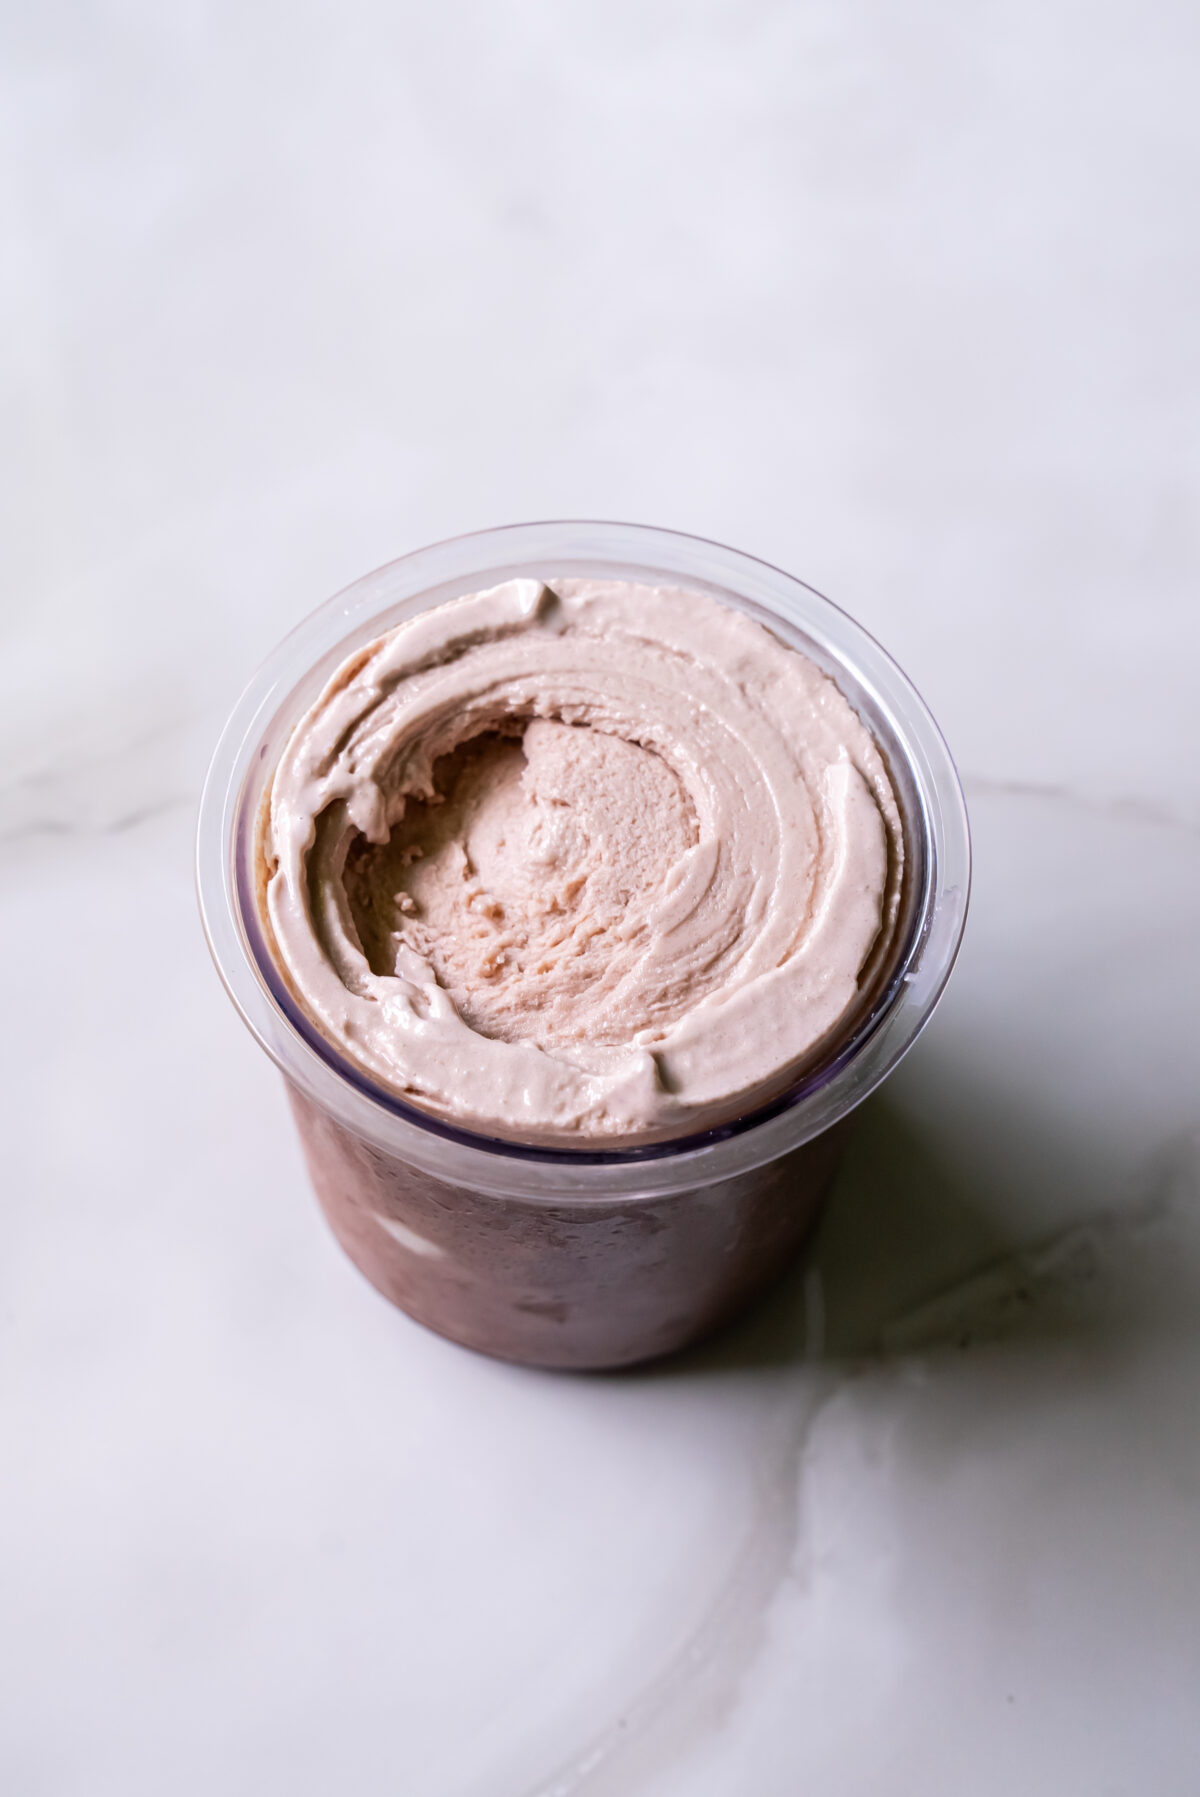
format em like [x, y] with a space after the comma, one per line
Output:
[560, 1256]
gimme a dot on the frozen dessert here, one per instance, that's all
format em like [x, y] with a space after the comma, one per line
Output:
[579, 915]
[581, 860]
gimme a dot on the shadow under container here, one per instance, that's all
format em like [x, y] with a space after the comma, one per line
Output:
[558, 1256]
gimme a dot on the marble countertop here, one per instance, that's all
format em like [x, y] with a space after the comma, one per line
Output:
[902, 300]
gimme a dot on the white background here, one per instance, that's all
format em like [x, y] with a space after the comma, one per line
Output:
[901, 298]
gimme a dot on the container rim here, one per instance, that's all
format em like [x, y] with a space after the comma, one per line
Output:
[930, 794]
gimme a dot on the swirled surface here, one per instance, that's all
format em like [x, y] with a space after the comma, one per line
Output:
[585, 859]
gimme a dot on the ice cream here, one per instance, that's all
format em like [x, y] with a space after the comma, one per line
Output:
[581, 861]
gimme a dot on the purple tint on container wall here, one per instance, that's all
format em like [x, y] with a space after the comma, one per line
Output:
[584, 1283]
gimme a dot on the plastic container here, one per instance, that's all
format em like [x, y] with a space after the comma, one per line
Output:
[559, 1256]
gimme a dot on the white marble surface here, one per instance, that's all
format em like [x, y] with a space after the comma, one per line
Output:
[903, 299]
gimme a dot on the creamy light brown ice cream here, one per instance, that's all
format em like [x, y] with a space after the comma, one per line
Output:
[581, 860]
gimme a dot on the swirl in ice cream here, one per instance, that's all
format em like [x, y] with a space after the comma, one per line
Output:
[580, 859]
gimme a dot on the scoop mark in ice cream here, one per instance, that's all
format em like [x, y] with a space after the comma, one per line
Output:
[580, 859]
